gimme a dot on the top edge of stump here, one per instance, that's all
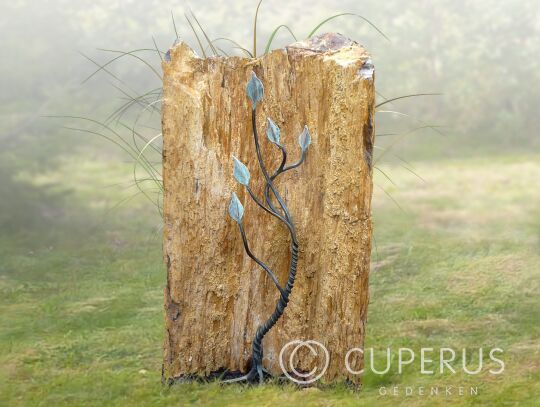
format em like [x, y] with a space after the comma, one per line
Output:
[325, 44]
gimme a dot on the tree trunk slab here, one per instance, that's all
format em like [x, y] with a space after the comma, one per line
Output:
[216, 296]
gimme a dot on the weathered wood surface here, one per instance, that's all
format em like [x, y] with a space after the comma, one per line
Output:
[216, 296]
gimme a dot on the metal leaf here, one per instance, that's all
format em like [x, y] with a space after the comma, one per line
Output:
[255, 89]
[273, 132]
[236, 210]
[304, 139]
[240, 172]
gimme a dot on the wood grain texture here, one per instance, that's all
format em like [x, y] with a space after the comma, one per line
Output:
[216, 296]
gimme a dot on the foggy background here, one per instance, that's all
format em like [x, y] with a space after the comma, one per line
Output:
[480, 54]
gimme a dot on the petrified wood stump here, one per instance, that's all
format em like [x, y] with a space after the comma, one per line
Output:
[216, 296]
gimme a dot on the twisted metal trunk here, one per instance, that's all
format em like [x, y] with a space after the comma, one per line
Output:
[278, 312]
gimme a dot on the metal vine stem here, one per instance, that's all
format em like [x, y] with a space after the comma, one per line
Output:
[255, 91]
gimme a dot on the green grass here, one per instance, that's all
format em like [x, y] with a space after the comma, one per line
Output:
[81, 290]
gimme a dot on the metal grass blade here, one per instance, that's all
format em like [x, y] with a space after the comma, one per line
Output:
[255, 29]
[133, 54]
[141, 156]
[135, 122]
[196, 35]
[408, 166]
[269, 43]
[103, 68]
[236, 45]
[406, 96]
[386, 176]
[157, 49]
[174, 25]
[121, 110]
[123, 54]
[347, 14]
[392, 198]
[435, 128]
[214, 50]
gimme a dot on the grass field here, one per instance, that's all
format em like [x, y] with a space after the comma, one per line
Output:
[81, 289]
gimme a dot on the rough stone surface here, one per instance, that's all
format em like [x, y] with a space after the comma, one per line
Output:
[216, 296]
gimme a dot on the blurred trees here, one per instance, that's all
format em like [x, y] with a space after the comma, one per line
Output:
[481, 54]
